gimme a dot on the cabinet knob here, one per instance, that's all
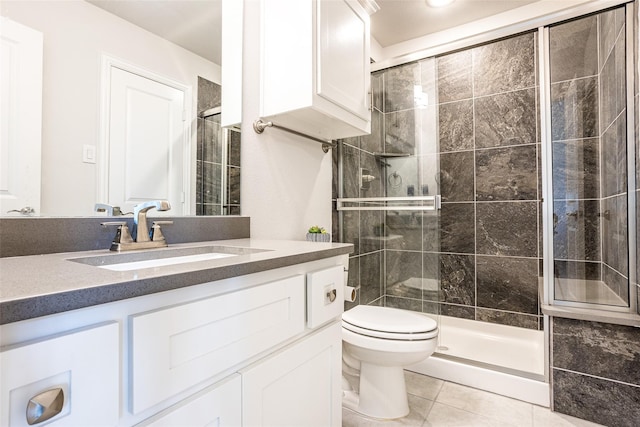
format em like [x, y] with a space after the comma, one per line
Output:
[45, 405]
[331, 295]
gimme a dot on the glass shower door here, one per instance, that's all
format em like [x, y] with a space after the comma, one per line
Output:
[589, 132]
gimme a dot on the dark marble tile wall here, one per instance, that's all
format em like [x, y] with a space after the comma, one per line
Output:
[365, 229]
[489, 149]
[588, 92]
[463, 264]
[613, 125]
[209, 151]
[210, 158]
[232, 202]
[595, 372]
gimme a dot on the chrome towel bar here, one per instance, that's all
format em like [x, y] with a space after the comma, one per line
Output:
[260, 125]
[420, 203]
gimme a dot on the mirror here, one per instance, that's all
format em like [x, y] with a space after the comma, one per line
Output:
[173, 39]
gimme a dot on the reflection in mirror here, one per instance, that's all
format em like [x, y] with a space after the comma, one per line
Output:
[77, 35]
[218, 158]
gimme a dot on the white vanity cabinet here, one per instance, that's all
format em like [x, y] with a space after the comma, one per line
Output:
[175, 348]
[80, 370]
[242, 351]
[298, 386]
[314, 67]
[219, 406]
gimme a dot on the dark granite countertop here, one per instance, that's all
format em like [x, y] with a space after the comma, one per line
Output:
[39, 285]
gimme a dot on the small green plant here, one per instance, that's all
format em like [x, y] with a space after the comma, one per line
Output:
[317, 230]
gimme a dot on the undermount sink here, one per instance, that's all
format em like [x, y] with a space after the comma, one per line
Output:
[163, 257]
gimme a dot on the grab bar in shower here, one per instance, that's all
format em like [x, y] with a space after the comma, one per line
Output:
[389, 203]
[260, 125]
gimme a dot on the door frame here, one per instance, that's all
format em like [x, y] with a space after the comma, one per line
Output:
[102, 178]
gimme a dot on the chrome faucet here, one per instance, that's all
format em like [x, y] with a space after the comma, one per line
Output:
[140, 218]
[141, 238]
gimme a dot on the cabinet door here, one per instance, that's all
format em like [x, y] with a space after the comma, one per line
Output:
[314, 66]
[343, 55]
[178, 347]
[298, 386]
[218, 406]
[83, 365]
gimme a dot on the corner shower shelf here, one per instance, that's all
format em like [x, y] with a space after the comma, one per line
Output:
[421, 203]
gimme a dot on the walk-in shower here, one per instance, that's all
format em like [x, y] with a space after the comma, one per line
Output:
[498, 165]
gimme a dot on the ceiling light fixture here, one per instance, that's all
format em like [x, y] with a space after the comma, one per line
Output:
[439, 3]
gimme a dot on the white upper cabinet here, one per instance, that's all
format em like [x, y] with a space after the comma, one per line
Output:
[314, 66]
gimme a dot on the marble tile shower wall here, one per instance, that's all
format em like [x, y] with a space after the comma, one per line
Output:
[588, 95]
[613, 125]
[366, 263]
[210, 161]
[595, 373]
[484, 244]
[489, 248]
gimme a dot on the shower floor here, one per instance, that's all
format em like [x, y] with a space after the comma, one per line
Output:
[587, 291]
[502, 359]
[503, 346]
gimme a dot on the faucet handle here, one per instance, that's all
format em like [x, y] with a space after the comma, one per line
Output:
[122, 234]
[156, 233]
[110, 210]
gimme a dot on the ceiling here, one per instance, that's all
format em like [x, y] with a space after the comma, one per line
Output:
[195, 24]
[402, 20]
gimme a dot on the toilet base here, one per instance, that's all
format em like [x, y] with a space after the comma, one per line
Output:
[383, 392]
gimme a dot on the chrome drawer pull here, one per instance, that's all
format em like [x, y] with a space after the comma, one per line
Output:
[331, 295]
[44, 406]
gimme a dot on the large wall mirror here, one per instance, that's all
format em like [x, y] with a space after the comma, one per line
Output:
[88, 49]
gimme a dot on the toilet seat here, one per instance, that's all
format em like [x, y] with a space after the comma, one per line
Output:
[389, 323]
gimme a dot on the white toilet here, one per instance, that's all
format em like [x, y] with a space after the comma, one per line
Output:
[379, 342]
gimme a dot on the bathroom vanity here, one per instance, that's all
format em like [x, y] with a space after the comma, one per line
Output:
[251, 337]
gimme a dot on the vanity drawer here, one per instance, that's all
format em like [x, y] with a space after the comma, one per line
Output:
[176, 348]
[325, 295]
[81, 368]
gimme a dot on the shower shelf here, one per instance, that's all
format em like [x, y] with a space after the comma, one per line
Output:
[389, 203]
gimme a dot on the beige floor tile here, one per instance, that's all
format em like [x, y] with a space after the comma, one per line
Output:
[543, 417]
[422, 385]
[486, 404]
[446, 416]
[419, 408]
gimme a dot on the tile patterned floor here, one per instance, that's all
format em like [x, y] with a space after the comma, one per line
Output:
[436, 403]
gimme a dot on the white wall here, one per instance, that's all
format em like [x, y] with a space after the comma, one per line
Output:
[286, 179]
[76, 34]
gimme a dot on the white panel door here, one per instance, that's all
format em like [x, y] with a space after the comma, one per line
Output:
[21, 125]
[146, 142]
[299, 386]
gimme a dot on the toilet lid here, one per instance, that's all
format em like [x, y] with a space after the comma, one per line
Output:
[387, 320]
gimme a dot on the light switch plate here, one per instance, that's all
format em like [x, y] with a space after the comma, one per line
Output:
[88, 153]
